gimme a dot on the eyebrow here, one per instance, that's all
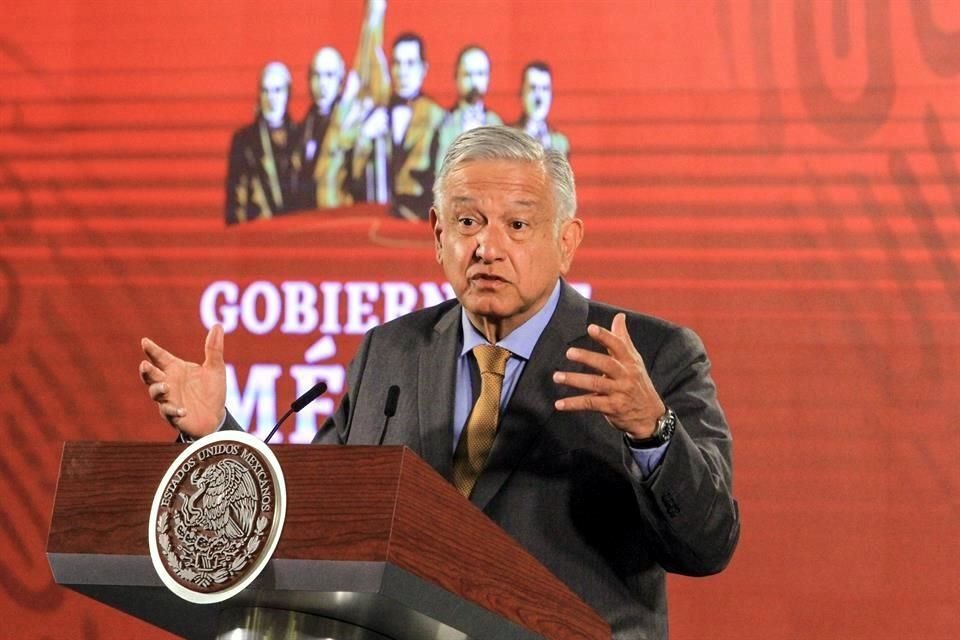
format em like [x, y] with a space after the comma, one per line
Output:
[468, 200]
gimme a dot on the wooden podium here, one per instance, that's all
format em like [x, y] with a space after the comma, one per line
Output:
[374, 539]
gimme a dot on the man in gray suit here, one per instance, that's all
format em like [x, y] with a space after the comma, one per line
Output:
[611, 459]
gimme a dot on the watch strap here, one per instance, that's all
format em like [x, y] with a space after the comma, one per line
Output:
[666, 425]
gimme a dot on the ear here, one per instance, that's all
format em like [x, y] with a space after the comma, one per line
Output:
[437, 233]
[571, 233]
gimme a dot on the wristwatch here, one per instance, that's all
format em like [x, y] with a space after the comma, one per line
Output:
[666, 424]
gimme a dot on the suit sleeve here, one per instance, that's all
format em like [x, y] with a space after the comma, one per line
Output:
[687, 504]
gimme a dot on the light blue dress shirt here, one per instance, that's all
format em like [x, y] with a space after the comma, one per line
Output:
[520, 342]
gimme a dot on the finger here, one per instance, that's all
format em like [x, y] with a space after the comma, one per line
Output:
[585, 381]
[612, 343]
[619, 328]
[587, 402]
[174, 421]
[157, 354]
[158, 391]
[150, 374]
[601, 362]
[170, 411]
[213, 347]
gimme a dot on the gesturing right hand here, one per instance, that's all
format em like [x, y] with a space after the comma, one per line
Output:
[190, 396]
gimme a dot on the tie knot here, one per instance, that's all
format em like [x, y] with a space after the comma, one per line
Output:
[491, 359]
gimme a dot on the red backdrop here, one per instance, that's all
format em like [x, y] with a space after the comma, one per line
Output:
[781, 176]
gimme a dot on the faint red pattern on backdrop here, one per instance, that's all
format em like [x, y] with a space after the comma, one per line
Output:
[779, 175]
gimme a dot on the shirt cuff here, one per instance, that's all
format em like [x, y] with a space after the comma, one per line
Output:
[648, 459]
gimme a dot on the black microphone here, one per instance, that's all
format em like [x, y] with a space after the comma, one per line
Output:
[298, 404]
[308, 397]
[389, 409]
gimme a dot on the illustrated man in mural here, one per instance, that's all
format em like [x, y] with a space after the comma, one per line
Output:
[341, 102]
[321, 159]
[261, 174]
[394, 159]
[536, 94]
[472, 75]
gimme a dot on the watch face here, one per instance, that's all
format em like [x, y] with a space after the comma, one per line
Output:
[665, 426]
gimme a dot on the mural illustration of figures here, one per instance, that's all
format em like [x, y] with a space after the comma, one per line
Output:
[262, 176]
[370, 134]
[323, 153]
[536, 94]
[394, 159]
[472, 75]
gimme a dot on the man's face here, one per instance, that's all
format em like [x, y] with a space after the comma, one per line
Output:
[408, 69]
[326, 74]
[537, 94]
[274, 92]
[473, 76]
[498, 242]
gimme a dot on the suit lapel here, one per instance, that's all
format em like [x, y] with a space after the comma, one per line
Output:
[531, 405]
[437, 370]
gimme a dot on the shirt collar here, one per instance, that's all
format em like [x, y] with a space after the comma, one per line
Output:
[521, 340]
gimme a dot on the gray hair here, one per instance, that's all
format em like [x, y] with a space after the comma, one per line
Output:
[507, 143]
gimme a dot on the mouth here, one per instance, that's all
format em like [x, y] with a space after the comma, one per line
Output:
[486, 280]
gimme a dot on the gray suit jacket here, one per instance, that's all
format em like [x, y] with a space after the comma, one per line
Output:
[564, 485]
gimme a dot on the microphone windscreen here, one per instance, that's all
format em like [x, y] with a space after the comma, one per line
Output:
[393, 394]
[309, 396]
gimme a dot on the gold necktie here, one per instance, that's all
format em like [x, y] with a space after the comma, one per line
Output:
[481, 428]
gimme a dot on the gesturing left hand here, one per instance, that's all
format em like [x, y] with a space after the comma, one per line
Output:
[621, 390]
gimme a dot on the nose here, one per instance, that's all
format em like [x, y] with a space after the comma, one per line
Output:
[490, 244]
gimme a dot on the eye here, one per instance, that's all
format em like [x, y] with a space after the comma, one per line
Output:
[468, 224]
[518, 225]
